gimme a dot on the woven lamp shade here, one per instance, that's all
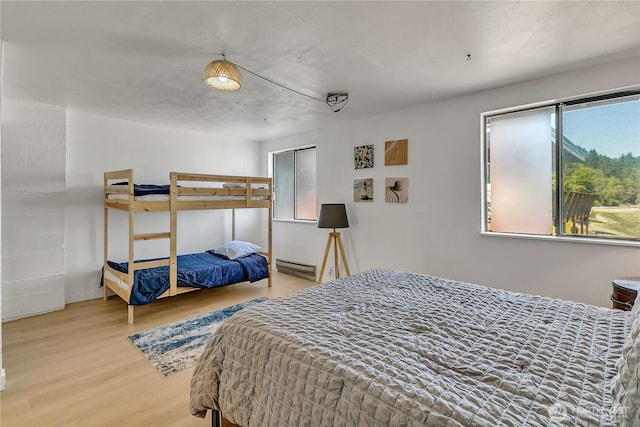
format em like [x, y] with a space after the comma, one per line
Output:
[222, 75]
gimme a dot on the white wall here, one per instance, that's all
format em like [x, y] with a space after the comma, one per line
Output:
[438, 231]
[2, 371]
[33, 205]
[97, 144]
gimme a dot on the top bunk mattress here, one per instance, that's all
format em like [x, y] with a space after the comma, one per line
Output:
[160, 193]
[388, 348]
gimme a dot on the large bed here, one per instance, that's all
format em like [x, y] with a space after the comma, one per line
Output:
[388, 348]
[141, 281]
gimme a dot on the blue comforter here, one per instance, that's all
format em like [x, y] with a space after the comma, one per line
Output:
[199, 270]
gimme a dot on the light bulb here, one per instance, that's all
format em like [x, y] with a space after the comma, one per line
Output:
[222, 78]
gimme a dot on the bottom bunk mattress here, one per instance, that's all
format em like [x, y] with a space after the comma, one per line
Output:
[384, 348]
[199, 270]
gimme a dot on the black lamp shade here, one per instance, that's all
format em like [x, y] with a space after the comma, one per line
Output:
[333, 215]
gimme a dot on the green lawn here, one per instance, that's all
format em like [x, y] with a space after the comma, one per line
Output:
[615, 222]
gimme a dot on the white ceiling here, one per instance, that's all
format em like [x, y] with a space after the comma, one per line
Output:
[143, 60]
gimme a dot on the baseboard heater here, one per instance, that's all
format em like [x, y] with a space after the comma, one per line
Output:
[297, 269]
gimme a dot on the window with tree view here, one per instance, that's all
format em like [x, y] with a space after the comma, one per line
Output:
[590, 148]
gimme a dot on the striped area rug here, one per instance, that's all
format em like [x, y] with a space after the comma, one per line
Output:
[177, 346]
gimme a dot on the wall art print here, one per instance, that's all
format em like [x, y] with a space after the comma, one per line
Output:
[396, 190]
[363, 156]
[363, 190]
[396, 152]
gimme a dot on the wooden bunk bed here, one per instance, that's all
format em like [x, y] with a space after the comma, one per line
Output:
[186, 191]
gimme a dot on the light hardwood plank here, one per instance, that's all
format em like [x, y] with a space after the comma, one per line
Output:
[76, 367]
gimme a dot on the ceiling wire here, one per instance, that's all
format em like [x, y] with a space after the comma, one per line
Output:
[279, 84]
[335, 101]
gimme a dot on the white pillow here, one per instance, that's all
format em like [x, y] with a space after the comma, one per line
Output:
[237, 249]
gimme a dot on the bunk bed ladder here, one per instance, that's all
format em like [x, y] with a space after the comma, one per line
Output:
[130, 270]
[105, 288]
[173, 227]
[269, 249]
[133, 237]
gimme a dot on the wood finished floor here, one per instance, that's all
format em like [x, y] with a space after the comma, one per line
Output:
[76, 367]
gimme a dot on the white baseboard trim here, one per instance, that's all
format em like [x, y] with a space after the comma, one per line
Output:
[3, 379]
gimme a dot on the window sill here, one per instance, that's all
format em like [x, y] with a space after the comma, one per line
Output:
[588, 240]
[297, 221]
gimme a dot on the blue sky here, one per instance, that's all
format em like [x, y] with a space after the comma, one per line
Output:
[612, 130]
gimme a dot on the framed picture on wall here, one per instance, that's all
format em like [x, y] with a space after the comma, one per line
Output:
[396, 152]
[363, 190]
[396, 190]
[363, 157]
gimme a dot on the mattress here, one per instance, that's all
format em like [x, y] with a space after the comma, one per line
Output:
[165, 198]
[387, 348]
[198, 270]
[160, 193]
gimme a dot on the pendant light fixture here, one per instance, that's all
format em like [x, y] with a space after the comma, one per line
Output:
[225, 75]
[222, 75]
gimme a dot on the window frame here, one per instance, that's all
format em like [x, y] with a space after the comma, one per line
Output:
[558, 104]
[272, 174]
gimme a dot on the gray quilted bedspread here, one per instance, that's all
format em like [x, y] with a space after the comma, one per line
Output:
[385, 348]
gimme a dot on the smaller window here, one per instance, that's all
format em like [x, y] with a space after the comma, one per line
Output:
[294, 182]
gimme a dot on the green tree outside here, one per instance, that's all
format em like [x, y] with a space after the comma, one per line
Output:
[615, 182]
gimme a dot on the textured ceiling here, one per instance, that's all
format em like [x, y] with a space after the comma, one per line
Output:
[143, 61]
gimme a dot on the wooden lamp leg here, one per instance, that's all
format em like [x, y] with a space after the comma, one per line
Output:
[344, 258]
[336, 266]
[324, 261]
[334, 237]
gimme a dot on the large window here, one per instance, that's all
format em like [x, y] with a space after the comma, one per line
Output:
[294, 182]
[589, 148]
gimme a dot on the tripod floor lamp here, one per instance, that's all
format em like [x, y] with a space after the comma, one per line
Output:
[333, 215]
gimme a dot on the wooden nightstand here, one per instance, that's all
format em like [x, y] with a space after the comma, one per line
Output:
[624, 293]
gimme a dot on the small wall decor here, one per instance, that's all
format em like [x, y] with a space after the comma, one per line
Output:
[396, 152]
[396, 190]
[363, 190]
[363, 156]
